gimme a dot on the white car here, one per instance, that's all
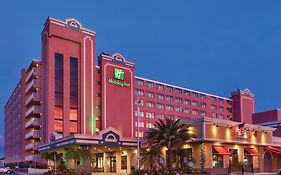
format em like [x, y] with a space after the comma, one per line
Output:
[5, 170]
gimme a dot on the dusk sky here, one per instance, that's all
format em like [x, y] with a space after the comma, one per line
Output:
[211, 46]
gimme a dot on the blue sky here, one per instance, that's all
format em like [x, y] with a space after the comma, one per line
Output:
[211, 46]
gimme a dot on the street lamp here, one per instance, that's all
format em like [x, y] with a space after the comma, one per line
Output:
[138, 102]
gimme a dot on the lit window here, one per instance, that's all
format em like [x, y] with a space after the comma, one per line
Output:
[139, 82]
[149, 84]
[159, 86]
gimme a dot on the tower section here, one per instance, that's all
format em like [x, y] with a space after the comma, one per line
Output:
[117, 102]
[243, 105]
[68, 56]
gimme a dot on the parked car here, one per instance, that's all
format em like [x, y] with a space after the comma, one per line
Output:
[5, 170]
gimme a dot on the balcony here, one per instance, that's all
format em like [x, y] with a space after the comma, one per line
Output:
[33, 157]
[32, 86]
[32, 99]
[33, 111]
[32, 146]
[32, 74]
[32, 134]
[33, 123]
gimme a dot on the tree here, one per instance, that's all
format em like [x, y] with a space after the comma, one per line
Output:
[53, 156]
[80, 154]
[168, 133]
[150, 157]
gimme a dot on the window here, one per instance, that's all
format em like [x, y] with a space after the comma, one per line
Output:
[214, 107]
[194, 94]
[214, 99]
[178, 109]
[195, 103]
[141, 124]
[58, 126]
[139, 92]
[202, 96]
[169, 88]
[169, 98]
[160, 96]
[123, 162]
[220, 108]
[150, 104]
[186, 101]
[58, 113]
[73, 127]
[149, 125]
[203, 113]
[149, 115]
[220, 116]
[220, 100]
[195, 112]
[58, 79]
[178, 91]
[141, 134]
[99, 161]
[217, 159]
[141, 113]
[186, 110]
[178, 100]
[139, 82]
[160, 116]
[159, 86]
[186, 92]
[169, 107]
[149, 94]
[149, 84]
[73, 114]
[160, 106]
[73, 93]
[203, 105]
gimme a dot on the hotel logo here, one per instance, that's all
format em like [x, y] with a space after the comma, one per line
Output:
[118, 74]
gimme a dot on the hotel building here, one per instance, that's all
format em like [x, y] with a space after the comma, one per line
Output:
[68, 98]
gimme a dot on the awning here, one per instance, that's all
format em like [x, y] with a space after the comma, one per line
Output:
[274, 149]
[252, 151]
[221, 150]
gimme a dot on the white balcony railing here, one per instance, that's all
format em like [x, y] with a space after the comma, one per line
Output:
[32, 109]
[31, 72]
[31, 146]
[32, 134]
[32, 121]
[33, 83]
[33, 96]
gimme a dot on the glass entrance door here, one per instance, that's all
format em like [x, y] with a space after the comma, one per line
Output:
[233, 160]
[112, 164]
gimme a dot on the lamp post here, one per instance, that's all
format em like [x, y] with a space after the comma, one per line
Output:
[138, 129]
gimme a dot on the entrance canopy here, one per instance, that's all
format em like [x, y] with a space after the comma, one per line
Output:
[252, 151]
[221, 150]
[274, 149]
[106, 138]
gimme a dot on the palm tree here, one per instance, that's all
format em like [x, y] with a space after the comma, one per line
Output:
[150, 157]
[168, 133]
[53, 156]
[80, 154]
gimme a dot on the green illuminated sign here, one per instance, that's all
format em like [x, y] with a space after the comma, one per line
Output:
[118, 74]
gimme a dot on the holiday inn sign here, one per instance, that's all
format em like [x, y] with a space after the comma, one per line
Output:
[118, 75]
